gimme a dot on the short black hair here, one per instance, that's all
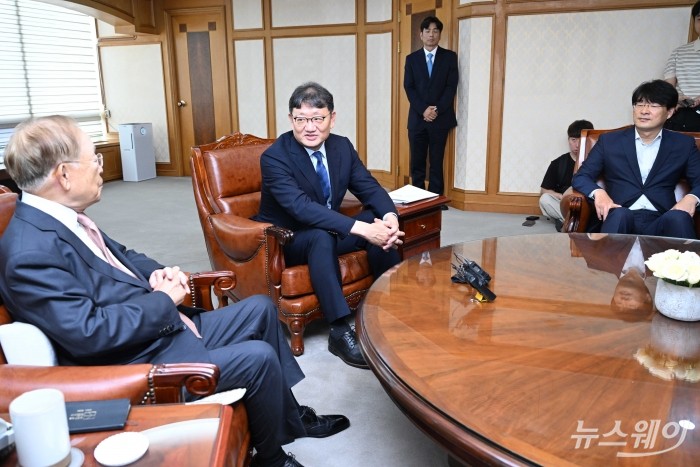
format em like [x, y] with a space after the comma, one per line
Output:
[574, 130]
[428, 20]
[696, 10]
[312, 94]
[656, 91]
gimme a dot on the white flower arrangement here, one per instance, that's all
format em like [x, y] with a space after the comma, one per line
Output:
[675, 267]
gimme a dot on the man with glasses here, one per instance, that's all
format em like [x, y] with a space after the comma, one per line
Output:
[641, 167]
[101, 303]
[305, 175]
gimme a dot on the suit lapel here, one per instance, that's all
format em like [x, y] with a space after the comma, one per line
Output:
[661, 156]
[333, 157]
[45, 222]
[630, 150]
[303, 161]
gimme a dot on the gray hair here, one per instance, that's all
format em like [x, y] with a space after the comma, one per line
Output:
[39, 144]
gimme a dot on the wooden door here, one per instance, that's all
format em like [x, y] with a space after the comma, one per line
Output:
[412, 13]
[201, 90]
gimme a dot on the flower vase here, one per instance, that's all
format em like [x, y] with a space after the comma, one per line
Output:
[677, 302]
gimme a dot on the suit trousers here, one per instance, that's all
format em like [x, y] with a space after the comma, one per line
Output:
[247, 343]
[673, 223]
[428, 143]
[319, 249]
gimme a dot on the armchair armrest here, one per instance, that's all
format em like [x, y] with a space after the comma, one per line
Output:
[202, 284]
[241, 238]
[140, 383]
[576, 211]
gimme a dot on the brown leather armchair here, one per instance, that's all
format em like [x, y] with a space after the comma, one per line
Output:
[226, 179]
[141, 383]
[576, 208]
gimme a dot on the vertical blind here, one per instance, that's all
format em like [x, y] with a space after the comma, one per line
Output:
[48, 66]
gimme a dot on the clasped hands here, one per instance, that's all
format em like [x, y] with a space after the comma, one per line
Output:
[171, 281]
[603, 204]
[430, 113]
[383, 233]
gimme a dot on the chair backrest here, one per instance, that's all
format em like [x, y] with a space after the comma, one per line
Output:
[226, 175]
[8, 200]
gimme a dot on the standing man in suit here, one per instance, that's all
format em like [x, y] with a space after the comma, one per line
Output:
[305, 175]
[641, 167]
[103, 304]
[430, 81]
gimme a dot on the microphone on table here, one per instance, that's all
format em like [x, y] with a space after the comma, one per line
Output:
[469, 272]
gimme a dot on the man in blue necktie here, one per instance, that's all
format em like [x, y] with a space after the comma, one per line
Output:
[430, 81]
[305, 176]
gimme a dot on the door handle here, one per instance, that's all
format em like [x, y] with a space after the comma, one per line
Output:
[181, 103]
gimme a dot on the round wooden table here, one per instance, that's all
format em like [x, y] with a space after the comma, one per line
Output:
[570, 365]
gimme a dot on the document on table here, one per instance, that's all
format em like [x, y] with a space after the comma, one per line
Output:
[410, 194]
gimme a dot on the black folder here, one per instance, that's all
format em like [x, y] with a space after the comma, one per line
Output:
[103, 415]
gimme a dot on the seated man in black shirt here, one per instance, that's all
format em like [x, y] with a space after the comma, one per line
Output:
[558, 177]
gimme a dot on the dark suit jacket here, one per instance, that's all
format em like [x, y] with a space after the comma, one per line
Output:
[439, 89]
[291, 191]
[614, 158]
[94, 313]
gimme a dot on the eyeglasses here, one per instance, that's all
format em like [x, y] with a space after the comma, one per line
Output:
[98, 158]
[302, 121]
[646, 105]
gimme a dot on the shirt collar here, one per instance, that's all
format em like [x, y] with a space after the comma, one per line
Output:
[61, 213]
[426, 52]
[322, 150]
[639, 138]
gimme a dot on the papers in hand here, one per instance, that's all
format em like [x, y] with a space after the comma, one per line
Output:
[410, 194]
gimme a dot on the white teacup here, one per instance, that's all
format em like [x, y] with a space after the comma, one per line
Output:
[41, 428]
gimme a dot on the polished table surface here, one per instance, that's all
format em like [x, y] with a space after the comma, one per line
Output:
[550, 372]
[191, 435]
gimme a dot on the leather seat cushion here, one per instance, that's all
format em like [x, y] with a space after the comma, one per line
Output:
[353, 267]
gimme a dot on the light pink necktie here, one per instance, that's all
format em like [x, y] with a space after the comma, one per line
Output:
[94, 234]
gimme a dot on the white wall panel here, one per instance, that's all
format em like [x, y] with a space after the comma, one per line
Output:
[330, 61]
[568, 66]
[134, 90]
[473, 103]
[378, 103]
[247, 14]
[311, 12]
[378, 10]
[250, 81]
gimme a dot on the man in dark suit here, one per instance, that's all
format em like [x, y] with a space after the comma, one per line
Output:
[641, 167]
[101, 303]
[305, 175]
[430, 80]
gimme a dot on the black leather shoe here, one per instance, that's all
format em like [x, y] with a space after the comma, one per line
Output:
[289, 461]
[346, 347]
[444, 207]
[322, 426]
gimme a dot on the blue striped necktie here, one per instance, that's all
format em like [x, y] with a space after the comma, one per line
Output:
[430, 64]
[322, 176]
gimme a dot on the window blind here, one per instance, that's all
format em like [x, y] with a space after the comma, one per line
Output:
[49, 66]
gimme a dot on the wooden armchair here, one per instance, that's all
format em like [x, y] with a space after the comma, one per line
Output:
[226, 179]
[578, 209]
[141, 383]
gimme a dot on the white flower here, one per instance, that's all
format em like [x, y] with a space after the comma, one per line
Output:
[672, 265]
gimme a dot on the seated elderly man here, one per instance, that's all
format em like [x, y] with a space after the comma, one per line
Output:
[101, 303]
